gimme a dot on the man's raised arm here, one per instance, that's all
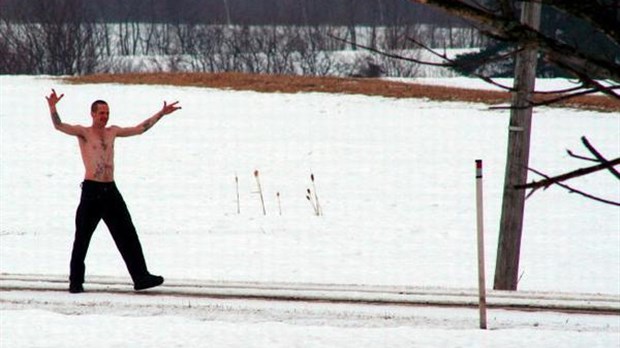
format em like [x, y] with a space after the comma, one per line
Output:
[149, 122]
[52, 100]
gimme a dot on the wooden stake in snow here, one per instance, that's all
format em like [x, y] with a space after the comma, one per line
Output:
[480, 224]
[279, 204]
[237, 186]
[260, 191]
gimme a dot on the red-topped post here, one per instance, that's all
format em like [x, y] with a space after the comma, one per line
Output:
[480, 226]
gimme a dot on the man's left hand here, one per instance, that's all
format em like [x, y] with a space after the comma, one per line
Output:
[170, 108]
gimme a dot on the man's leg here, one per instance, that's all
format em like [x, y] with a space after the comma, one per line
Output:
[121, 227]
[87, 217]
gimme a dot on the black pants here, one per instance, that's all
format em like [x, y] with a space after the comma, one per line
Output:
[104, 201]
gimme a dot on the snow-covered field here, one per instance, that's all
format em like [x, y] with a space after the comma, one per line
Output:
[395, 179]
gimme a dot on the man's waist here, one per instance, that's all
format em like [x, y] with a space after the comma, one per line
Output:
[97, 184]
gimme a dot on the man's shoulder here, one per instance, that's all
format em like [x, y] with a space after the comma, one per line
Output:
[113, 129]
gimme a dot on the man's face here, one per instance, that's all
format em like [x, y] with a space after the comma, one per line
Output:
[101, 115]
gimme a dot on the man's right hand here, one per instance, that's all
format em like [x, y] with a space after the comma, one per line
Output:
[53, 99]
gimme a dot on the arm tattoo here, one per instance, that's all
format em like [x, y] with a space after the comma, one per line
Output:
[151, 122]
[56, 118]
[147, 125]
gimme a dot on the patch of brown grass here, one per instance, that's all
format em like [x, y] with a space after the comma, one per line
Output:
[294, 84]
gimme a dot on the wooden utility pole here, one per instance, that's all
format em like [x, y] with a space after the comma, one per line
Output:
[513, 204]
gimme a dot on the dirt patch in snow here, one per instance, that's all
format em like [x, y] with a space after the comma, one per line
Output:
[365, 86]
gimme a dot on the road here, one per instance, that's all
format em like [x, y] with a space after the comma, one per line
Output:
[284, 301]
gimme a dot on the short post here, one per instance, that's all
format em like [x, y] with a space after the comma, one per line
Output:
[237, 186]
[260, 192]
[480, 224]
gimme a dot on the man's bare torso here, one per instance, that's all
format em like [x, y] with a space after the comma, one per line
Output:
[97, 141]
[97, 149]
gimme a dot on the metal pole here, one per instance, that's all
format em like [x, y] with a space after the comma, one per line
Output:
[480, 226]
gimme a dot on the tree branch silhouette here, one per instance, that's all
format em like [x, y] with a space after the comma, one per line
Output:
[603, 164]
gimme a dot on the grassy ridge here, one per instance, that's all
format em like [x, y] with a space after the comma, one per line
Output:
[294, 84]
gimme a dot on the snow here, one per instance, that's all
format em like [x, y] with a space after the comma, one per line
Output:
[174, 331]
[395, 179]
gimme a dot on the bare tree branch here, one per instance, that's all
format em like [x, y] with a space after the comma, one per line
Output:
[570, 175]
[389, 55]
[588, 81]
[565, 96]
[609, 90]
[550, 101]
[570, 189]
[452, 64]
[599, 157]
[570, 153]
[556, 180]
[562, 94]
[448, 63]
[563, 91]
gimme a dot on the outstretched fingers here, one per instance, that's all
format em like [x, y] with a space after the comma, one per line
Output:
[54, 98]
[169, 108]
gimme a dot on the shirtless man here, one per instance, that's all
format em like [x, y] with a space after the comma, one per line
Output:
[100, 197]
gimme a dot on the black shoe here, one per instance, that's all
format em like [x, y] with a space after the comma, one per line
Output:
[76, 288]
[148, 281]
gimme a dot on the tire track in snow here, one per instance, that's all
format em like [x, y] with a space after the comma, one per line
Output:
[192, 290]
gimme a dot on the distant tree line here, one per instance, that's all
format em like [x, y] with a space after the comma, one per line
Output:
[67, 37]
[239, 12]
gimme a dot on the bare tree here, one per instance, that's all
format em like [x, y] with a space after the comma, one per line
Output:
[311, 46]
[57, 38]
[499, 20]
